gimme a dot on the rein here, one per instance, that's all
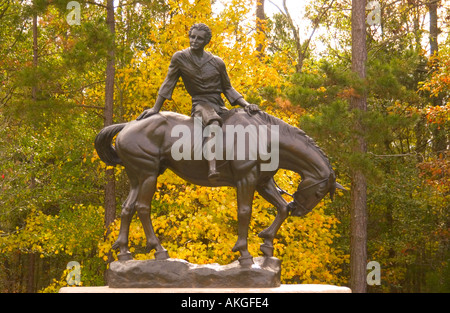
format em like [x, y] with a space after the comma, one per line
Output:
[282, 191]
[323, 180]
[292, 196]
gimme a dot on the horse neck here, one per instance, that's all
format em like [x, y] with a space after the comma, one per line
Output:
[300, 154]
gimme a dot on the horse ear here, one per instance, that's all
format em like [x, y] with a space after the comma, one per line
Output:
[339, 186]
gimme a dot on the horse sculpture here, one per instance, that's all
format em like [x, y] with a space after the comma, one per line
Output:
[144, 148]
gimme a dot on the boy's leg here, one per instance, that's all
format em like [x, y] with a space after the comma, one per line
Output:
[213, 173]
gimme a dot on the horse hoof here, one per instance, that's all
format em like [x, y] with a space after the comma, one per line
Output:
[126, 256]
[246, 261]
[161, 255]
[267, 250]
[115, 246]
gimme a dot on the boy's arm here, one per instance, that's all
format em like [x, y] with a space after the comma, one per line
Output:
[230, 93]
[166, 89]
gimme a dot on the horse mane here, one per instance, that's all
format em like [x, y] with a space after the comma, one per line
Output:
[292, 131]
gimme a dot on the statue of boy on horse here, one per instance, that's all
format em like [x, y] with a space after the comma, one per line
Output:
[144, 147]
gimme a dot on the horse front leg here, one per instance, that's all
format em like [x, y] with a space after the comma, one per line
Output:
[245, 190]
[270, 193]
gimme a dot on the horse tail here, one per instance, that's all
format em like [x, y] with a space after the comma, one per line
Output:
[105, 150]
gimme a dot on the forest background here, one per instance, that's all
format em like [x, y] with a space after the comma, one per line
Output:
[66, 71]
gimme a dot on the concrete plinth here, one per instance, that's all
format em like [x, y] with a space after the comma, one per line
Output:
[303, 288]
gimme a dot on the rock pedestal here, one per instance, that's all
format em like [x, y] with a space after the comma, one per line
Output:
[175, 273]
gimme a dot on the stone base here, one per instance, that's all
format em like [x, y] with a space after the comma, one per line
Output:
[175, 273]
[284, 289]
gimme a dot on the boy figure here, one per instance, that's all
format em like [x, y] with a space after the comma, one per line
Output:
[205, 78]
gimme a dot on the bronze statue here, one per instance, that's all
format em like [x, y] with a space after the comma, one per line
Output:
[151, 144]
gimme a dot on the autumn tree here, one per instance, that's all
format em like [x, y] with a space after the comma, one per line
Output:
[108, 114]
[358, 102]
[260, 27]
[286, 33]
[46, 149]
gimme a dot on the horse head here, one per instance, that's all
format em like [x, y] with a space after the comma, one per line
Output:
[307, 197]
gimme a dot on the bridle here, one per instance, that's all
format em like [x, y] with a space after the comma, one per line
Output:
[281, 191]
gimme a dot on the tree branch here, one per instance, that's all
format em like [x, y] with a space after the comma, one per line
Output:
[95, 3]
[91, 106]
[316, 24]
[279, 9]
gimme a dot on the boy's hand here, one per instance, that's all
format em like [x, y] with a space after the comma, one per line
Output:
[147, 113]
[251, 108]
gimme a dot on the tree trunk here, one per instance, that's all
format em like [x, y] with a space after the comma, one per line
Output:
[31, 272]
[110, 198]
[31, 256]
[358, 242]
[432, 8]
[260, 21]
[35, 54]
[439, 136]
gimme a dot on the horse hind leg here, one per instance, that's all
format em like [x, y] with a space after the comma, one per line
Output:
[270, 193]
[128, 211]
[146, 191]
